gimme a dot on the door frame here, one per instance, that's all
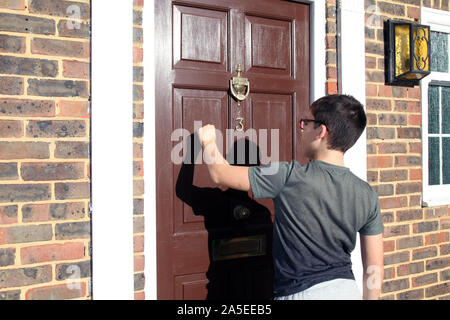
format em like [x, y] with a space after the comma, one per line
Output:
[318, 80]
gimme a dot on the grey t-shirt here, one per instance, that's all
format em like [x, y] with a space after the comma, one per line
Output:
[319, 208]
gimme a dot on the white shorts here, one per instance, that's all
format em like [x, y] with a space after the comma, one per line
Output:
[337, 289]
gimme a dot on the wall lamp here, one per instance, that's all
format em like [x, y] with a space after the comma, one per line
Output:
[407, 55]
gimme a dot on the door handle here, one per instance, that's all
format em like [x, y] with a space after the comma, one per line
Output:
[239, 87]
[241, 212]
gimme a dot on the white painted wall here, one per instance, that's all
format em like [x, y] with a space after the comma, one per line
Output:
[112, 150]
[353, 82]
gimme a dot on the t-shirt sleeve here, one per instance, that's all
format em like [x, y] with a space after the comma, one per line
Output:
[374, 224]
[267, 181]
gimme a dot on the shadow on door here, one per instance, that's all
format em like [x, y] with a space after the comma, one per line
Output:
[239, 229]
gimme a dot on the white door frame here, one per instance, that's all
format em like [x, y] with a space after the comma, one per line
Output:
[112, 150]
[353, 82]
[112, 221]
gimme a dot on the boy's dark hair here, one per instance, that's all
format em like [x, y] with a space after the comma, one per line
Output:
[344, 117]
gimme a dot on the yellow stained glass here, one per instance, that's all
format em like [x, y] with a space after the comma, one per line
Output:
[422, 38]
[402, 50]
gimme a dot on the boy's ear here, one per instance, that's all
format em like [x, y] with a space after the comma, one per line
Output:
[323, 133]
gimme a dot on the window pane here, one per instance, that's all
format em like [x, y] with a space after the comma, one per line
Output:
[434, 168]
[439, 52]
[433, 109]
[446, 160]
[445, 110]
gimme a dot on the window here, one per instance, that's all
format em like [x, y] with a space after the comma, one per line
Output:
[436, 112]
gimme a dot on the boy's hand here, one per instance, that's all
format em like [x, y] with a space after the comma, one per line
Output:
[207, 134]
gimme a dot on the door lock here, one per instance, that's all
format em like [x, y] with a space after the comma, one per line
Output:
[241, 212]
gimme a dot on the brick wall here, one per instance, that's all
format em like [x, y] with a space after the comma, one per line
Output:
[44, 149]
[138, 127]
[416, 239]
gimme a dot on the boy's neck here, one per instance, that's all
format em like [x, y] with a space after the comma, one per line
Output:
[331, 156]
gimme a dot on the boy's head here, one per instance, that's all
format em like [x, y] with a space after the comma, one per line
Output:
[344, 119]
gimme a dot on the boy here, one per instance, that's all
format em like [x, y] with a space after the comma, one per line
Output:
[319, 206]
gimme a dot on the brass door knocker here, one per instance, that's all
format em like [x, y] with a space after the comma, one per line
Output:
[240, 88]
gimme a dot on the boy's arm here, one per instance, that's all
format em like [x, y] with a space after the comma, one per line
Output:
[373, 265]
[221, 172]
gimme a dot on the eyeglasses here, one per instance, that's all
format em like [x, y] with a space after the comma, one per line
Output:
[304, 121]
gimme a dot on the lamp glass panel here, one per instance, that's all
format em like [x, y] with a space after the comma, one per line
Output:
[402, 49]
[421, 38]
[413, 76]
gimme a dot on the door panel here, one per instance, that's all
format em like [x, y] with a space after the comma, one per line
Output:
[206, 249]
[262, 55]
[209, 50]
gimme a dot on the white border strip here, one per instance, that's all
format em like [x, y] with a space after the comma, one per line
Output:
[112, 150]
[149, 153]
[353, 82]
[318, 49]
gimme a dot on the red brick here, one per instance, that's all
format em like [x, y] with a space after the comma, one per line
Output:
[11, 128]
[393, 175]
[415, 120]
[70, 290]
[410, 268]
[395, 231]
[404, 188]
[52, 252]
[437, 212]
[138, 55]
[8, 214]
[413, 12]
[388, 245]
[440, 289]
[53, 47]
[392, 119]
[331, 87]
[440, 263]
[394, 202]
[413, 93]
[374, 162]
[395, 147]
[13, 4]
[371, 63]
[424, 280]
[138, 243]
[46, 171]
[436, 238]
[78, 109]
[411, 242]
[385, 91]
[139, 263]
[410, 214]
[331, 42]
[378, 105]
[139, 295]
[407, 161]
[76, 69]
[426, 252]
[415, 147]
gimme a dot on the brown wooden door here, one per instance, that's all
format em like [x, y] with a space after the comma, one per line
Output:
[203, 250]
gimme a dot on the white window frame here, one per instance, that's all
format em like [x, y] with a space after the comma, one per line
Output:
[432, 195]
